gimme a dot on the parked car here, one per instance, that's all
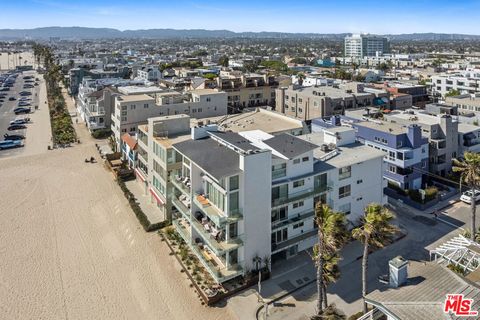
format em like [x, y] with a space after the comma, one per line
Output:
[13, 136]
[23, 103]
[25, 93]
[21, 110]
[20, 121]
[8, 144]
[12, 99]
[16, 127]
[467, 196]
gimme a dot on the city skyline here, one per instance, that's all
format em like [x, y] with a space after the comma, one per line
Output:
[416, 17]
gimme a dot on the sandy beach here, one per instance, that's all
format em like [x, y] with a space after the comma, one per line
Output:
[71, 248]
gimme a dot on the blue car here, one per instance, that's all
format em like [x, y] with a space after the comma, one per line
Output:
[8, 144]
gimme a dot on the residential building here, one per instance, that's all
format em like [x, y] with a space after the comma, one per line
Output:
[76, 76]
[468, 138]
[247, 194]
[365, 45]
[468, 106]
[406, 150]
[307, 103]
[466, 82]
[418, 93]
[132, 110]
[149, 73]
[157, 162]
[442, 133]
[248, 90]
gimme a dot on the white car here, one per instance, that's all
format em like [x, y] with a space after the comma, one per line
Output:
[467, 196]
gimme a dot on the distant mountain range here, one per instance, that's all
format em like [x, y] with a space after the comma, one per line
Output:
[108, 33]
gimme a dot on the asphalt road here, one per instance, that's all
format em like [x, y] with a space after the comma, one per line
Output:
[6, 110]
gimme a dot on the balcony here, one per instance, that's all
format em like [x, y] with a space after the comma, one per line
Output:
[209, 236]
[182, 205]
[216, 215]
[299, 195]
[277, 247]
[215, 265]
[181, 183]
[293, 219]
[279, 173]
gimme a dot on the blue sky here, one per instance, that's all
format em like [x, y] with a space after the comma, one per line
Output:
[319, 16]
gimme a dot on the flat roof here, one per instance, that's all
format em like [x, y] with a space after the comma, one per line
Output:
[134, 97]
[423, 296]
[289, 146]
[385, 126]
[347, 154]
[268, 121]
[465, 127]
[213, 157]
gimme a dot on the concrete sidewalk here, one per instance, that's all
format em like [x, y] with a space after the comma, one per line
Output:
[151, 211]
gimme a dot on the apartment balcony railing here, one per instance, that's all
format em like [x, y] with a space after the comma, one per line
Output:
[300, 195]
[219, 273]
[218, 247]
[181, 183]
[181, 207]
[293, 219]
[216, 215]
[344, 175]
[183, 230]
[279, 173]
[276, 247]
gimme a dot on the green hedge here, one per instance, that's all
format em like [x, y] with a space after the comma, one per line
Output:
[102, 133]
[147, 226]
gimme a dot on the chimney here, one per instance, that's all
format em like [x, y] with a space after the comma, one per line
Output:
[398, 271]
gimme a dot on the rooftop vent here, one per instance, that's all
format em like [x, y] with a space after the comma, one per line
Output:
[398, 271]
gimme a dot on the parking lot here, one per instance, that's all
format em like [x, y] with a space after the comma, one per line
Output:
[37, 132]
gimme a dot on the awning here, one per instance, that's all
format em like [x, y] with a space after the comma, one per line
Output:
[140, 175]
[156, 196]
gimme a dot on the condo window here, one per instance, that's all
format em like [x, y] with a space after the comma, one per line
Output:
[133, 107]
[145, 105]
[345, 172]
[279, 214]
[344, 191]
[298, 204]
[304, 159]
[233, 183]
[296, 161]
[298, 183]
[233, 202]
[298, 225]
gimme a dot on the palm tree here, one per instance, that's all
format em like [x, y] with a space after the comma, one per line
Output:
[470, 174]
[375, 230]
[331, 236]
[330, 313]
[330, 273]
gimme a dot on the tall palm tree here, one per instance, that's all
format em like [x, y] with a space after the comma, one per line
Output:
[376, 231]
[469, 170]
[330, 273]
[332, 235]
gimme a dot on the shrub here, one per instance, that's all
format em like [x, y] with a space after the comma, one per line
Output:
[101, 133]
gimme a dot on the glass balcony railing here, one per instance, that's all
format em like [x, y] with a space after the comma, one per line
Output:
[218, 247]
[182, 230]
[181, 207]
[180, 182]
[279, 173]
[218, 271]
[306, 193]
[216, 215]
[293, 219]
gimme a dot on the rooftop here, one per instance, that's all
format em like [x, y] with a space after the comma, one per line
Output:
[134, 98]
[347, 154]
[213, 157]
[289, 146]
[384, 126]
[423, 296]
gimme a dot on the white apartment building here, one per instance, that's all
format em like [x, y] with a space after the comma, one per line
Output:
[467, 82]
[250, 194]
[132, 110]
[149, 73]
[361, 45]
